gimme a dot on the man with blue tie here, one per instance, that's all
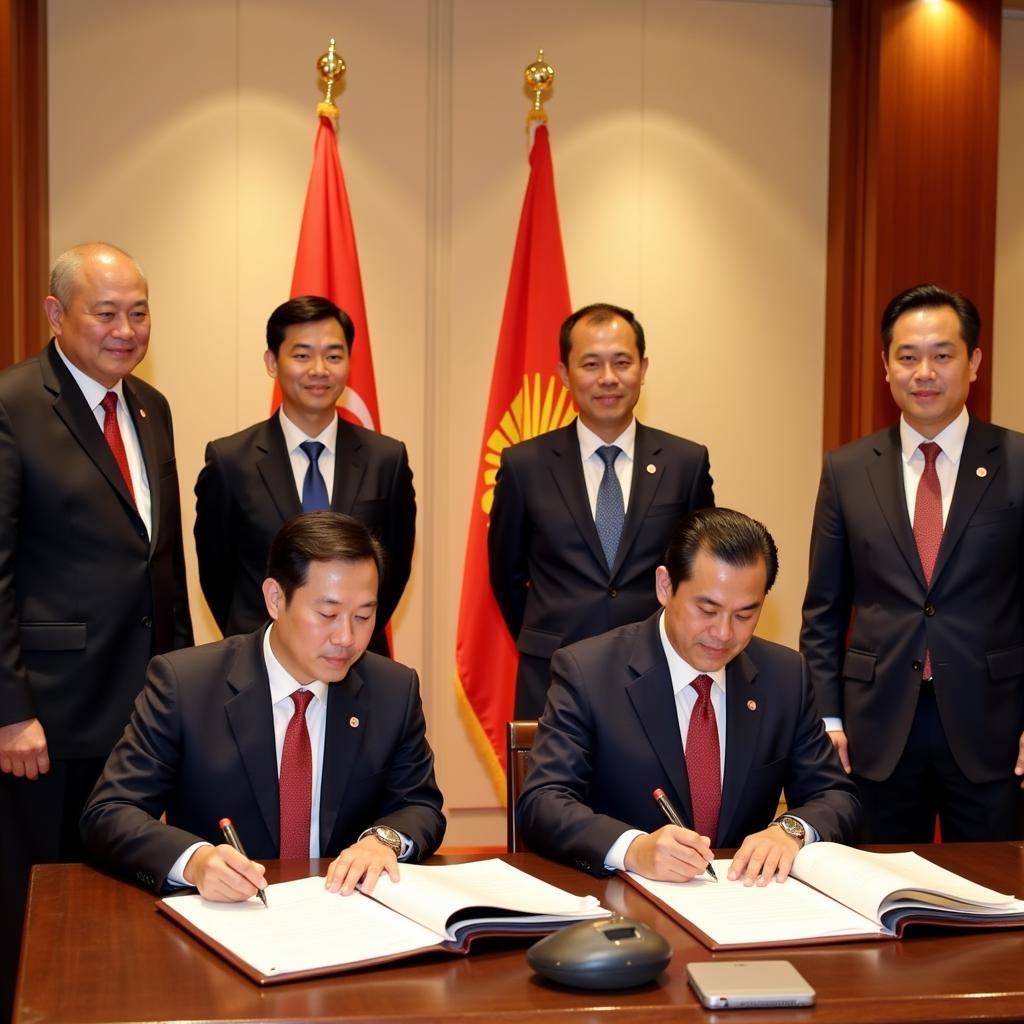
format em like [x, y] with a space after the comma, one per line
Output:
[581, 515]
[306, 457]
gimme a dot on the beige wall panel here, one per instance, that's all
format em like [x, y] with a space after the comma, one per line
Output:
[690, 149]
[1008, 323]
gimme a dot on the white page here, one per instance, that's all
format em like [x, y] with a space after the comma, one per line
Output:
[304, 927]
[864, 880]
[430, 893]
[731, 913]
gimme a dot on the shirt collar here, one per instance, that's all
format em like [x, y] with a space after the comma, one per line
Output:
[590, 442]
[93, 390]
[950, 439]
[294, 436]
[682, 672]
[282, 683]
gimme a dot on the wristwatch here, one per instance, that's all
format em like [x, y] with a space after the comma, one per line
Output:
[792, 827]
[387, 835]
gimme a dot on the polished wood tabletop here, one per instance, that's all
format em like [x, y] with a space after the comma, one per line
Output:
[96, 950]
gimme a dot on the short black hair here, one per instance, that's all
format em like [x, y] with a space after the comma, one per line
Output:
[306, 309]
[725, 534]
[323, 536]
[931, 296]
[598, 313]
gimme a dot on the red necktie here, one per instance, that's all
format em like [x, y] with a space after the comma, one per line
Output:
[112, 432]
[703, 761]
[928, 523]
[296, 783]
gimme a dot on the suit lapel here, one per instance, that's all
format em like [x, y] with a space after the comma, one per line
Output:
[655, 706]
[341, 744]
[349, 468]
[982, 450]
[885, 473]
[562, 456]
[642, 490]
[251, 720]
[742, 726]
[275, 468]
[150, 457]
[71, 407]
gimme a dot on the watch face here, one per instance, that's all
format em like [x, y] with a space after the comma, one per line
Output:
[792, 827]
[389, 837]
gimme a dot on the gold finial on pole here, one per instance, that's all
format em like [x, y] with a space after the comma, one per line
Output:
[332, 69]
[539, 76]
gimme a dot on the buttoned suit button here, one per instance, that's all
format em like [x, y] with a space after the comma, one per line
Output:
[146, 622]
[612, 592]
[929, 610]
[917, 665]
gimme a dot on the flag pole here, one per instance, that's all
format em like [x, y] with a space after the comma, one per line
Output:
[331, 66]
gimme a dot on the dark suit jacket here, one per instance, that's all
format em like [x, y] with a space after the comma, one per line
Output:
[246, 492]
[547, 568]
[86, 597]
[200, 746]
[864, 560]
[610, 736]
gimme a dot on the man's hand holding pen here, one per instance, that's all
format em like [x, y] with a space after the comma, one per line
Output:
[671, 854]
[223, 874]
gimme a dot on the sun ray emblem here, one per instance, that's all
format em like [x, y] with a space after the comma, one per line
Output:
[530, 413]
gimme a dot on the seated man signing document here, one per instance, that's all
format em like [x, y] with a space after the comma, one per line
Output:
[690, 702]
[310, 746]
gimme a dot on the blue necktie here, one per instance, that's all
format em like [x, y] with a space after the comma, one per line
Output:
[314, 490]
[610, 511]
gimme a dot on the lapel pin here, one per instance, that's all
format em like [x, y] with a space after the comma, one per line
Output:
[142, 413]
[981, 471]
[751, 705]
[354, 722]
[652, 468]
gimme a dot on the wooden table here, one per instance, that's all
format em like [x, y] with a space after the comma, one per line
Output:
[95, 950]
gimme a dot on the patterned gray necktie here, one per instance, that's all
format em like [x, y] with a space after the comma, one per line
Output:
[610, 512]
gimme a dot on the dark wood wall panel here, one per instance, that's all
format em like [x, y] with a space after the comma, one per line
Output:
[24, 194]
[912, 196]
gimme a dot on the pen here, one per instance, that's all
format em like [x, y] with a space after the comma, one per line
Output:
[232, 838]
[672, 816]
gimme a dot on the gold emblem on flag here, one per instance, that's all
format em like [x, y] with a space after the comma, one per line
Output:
[537, 408]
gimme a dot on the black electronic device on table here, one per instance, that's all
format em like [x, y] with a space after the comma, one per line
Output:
[613, 952]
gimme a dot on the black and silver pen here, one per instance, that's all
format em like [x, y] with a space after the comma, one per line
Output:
[672, 816]
[231, 837]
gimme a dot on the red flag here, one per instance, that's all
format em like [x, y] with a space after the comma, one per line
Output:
[327, 264]
[526, 399]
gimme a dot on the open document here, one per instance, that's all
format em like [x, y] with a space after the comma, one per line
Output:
[834, 893]
[306, 930]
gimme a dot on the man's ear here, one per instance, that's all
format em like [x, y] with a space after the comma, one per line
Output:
[662, 585]
[273, 597]
[270, 361]
[54, 314]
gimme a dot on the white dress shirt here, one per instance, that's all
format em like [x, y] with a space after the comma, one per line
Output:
[593, 464]
[947, 464]
[294, 436]
[94, 393]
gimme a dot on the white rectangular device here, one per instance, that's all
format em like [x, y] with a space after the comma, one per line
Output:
[747, 984]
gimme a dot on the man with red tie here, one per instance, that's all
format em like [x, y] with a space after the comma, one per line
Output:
[691, 703]
[92, 572]
[918, 538]
[311, 745]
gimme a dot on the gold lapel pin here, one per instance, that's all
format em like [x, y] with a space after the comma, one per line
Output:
[981, 471]
[354, 722]
[652, 468]
[142, 413]
[751, 705]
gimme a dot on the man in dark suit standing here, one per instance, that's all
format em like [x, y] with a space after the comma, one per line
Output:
[581, 515]
[919, 535]
[310, 746]
[92, 575]
[687, 701]
[305, 457]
